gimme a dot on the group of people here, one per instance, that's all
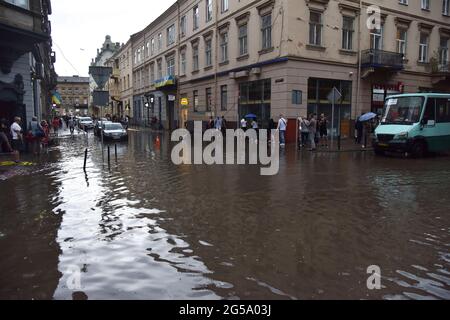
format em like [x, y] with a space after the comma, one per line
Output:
[13, 138]
[313, 131]
[220, 123]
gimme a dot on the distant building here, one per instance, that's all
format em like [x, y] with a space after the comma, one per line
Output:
[27, 74]
[74, 92]
[104, 53]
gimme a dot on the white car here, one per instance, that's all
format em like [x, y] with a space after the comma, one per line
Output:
[85, 123]
[114, 131]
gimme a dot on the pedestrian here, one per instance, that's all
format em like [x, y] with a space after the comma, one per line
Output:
[71, 125]
[224, 126]
[218, 124]
[312, 128]
[303, 132]
[255, 127]
[16, 135]
[244, 124]
[323, 130]
[211, 123]
[55, 124]
[5, 146]
[359, 126]
[282, 126]
[36, 134]
[45, 138]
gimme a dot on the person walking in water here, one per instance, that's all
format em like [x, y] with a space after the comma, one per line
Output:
[323, 130]
[71, 125]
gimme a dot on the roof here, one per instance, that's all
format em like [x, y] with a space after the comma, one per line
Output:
[73, 79]
[421, 94]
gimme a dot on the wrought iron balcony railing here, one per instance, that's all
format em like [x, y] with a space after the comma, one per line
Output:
[373, 58]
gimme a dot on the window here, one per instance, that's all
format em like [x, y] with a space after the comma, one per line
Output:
[401, 41]
[152, 73]
[160, 42]
[170, 66]
[224, 5]
[139, 55]
[266, 31]
[430, 110]
[243, 50]
[148, 49]
[171, 35]
[425, 4]
[442, 110]
[195, 17]
[347, 33]
[224, 47]
[423, 47]
[443, 52]
[195, 64]
[296, 97]
[160, 73]
[403, 2]
[315, 28]
[445, 7]
[223, 98]
[208, 99]
[209, 10]
[376, 39]
[208, 52]
[183, 63]
[195, 101]
[183, 26]
[20, 3]
[152, 47]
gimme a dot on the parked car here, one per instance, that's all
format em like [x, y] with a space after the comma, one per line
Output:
[85, 123]
[99, 126]
[114, 131]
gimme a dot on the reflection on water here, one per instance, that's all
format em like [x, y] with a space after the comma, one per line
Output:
[146, 229]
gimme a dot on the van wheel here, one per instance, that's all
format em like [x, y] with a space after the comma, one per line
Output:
[419, 149]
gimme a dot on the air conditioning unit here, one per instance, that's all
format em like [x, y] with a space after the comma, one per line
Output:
[232, 75]
[241, 74]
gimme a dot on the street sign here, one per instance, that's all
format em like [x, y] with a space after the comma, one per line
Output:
[334, 96]
[100, 75]
[184, 102]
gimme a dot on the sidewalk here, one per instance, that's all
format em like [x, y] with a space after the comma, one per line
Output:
[346, 145]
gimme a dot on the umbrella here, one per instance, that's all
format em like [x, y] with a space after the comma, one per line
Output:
[251, 116]
[367, 116]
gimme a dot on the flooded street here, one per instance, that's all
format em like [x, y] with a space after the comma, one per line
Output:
[147, 229]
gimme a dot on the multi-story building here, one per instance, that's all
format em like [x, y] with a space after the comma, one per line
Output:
[74, 92]
[27, 74]
[104, 53]
[272, 57]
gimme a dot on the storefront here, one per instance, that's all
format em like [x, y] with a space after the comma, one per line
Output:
[318, 93]
[254, 98]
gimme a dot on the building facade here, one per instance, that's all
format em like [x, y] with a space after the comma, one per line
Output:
[104, 53]
[74, 92]
[27, 74]
[271, 57]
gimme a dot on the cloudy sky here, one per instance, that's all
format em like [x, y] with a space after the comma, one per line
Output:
[79, 28]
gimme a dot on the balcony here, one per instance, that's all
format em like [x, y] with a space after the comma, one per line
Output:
[379, 59]
[440, 73]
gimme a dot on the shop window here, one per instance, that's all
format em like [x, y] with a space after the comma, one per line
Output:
[296, 97]
[442, 110]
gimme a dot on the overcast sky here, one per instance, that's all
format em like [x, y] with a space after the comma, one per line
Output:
[79, 28]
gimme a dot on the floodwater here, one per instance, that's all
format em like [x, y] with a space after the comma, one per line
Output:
[147, 229]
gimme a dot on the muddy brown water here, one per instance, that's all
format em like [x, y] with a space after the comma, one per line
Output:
[147, 229]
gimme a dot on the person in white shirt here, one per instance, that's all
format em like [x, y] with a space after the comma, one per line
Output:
[244, 124]
[16, 134]
[282, 126]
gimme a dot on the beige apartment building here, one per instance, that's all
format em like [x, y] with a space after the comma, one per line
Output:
[120, 84]
[74, 93]
[270, 57]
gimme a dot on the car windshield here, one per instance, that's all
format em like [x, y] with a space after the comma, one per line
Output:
[113, 126]
[402, 110]
[85, 119]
